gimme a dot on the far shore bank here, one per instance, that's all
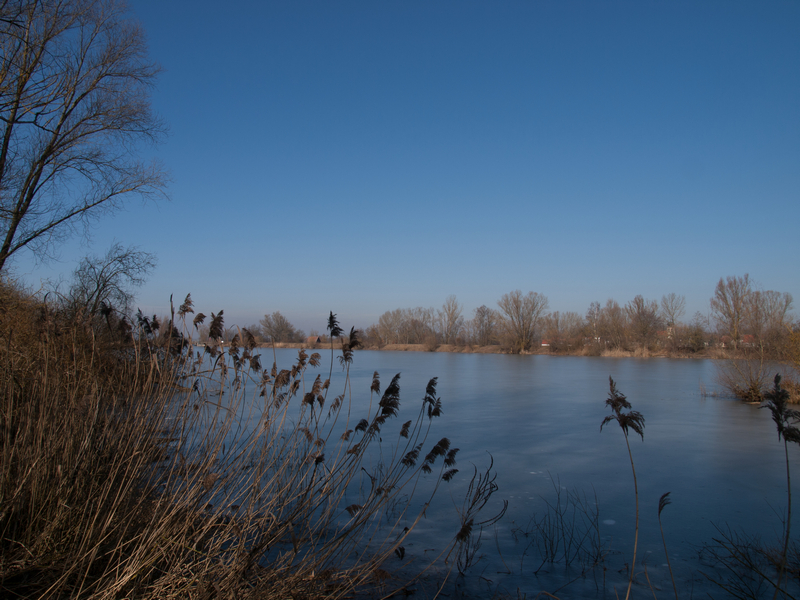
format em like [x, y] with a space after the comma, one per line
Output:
[712, 353]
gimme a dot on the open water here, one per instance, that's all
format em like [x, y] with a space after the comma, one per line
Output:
[539, 417]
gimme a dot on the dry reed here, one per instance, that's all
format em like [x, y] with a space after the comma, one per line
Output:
[135, 465]
[631, 419]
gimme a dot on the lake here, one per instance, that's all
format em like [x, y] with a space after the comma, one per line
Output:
[539, 418]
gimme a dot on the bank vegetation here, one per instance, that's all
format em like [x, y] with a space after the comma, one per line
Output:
[132, 465]
[748, 330]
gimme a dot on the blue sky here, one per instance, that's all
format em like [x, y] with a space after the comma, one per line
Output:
[365, 156]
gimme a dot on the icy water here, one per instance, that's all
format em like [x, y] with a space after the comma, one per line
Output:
[539, 418]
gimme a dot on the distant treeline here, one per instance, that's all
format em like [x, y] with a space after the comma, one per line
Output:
[741, 317]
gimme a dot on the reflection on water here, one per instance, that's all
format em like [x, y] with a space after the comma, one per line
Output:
[539, 418]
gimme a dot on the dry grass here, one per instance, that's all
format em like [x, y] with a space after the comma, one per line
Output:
[616, 353]
[444, 348]
[135, 466]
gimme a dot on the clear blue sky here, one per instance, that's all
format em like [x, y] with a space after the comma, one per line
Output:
[366, 156]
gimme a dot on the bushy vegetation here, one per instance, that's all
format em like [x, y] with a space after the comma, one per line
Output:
[136, 465]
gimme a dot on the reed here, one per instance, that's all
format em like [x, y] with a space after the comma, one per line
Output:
[746, 566]
[137, 464]
[663, 502]
[785, 419]
[631, 419]
[567, 532]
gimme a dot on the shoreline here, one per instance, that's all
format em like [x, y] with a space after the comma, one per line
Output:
[711, 354]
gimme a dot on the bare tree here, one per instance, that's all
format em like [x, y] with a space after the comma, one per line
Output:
[74, 78]
[643, 319]
[522, 315]
[417, 324]
[729, 305]
[390, 326]
[741, 312]
[767, 318]
[672, 308]
[592, 319]
[695, 337]
[372, 337]
[613, 324]
[563, 330]
[406, 325]
[106, 283]
[450, 320]
[277, 328]
[484, 326]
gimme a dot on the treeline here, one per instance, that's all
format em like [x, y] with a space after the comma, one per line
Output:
[521, 323]
[741, 317]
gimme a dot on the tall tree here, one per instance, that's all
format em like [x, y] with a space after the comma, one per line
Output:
[522, 314]
[390, 326]
[767, 317]
[450, 320]
[74, 80]
[593, 319]
[613, 324]
[417, 324]
[484, 326]
[729, 305]
[644, 320]
[695, 334]
[672, 308]
[277, 328]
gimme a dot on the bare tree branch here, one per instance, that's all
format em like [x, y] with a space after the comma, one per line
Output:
[74, 107]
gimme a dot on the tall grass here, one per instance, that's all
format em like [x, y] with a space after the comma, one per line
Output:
[135, 464]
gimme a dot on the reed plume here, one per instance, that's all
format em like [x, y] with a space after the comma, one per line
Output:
[187, 307]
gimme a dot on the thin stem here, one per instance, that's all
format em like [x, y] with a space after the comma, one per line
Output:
[782, 566]
[669, 564]
[636, 534]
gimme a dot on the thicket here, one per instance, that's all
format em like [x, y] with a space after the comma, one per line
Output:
[134, 465]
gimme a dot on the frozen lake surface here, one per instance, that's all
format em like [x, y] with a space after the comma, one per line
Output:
[539, 418]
